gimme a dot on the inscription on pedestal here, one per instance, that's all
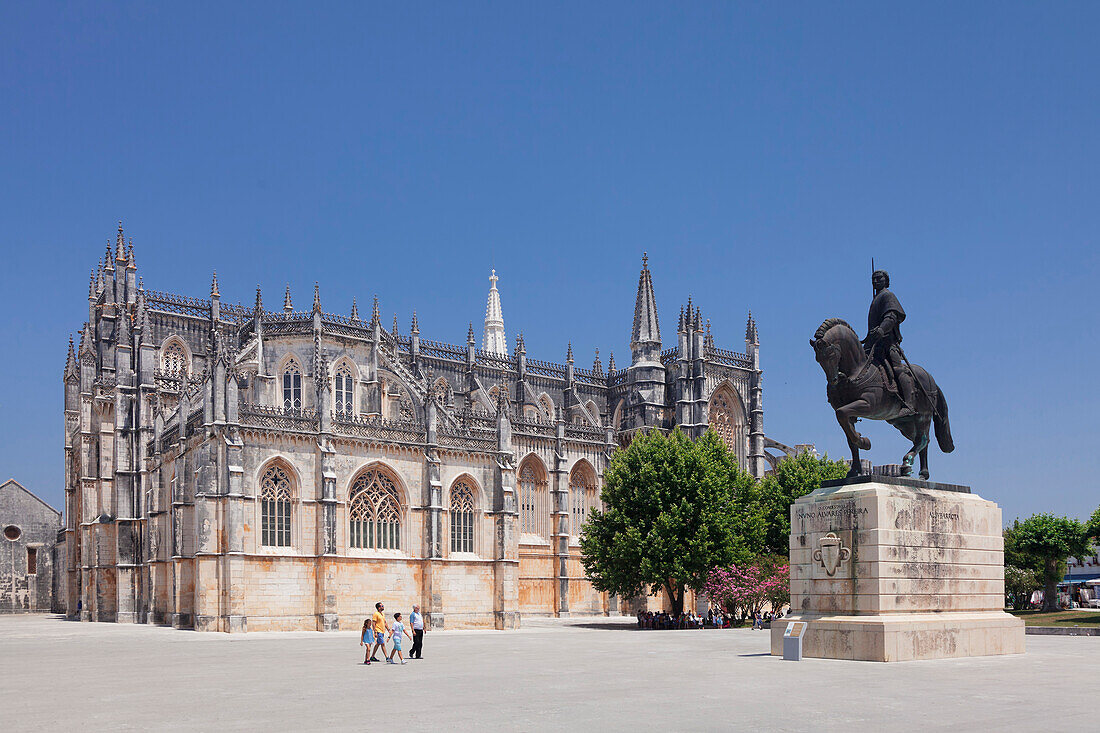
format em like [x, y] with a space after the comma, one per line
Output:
[830, 515]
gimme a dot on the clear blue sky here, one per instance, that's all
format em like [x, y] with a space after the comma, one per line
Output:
[760, 154]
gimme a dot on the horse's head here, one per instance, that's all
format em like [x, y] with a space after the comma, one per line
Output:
[828, 356]
[836, 348]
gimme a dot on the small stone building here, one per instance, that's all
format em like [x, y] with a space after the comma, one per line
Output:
[30, 528]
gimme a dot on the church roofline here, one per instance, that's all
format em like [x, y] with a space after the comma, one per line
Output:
[29, 493]
[645, 326]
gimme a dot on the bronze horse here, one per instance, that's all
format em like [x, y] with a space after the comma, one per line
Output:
[857, 388]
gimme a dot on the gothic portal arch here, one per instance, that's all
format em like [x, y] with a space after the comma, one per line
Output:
[726, 416]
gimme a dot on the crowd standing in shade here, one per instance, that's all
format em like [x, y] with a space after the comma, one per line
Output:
[691, 620]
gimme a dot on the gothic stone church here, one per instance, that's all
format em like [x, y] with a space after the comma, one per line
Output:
[233, 468]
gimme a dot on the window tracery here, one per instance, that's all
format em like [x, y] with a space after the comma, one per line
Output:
[441, 390]
[174, 359]
[275, 500]
[462, 517]
[582, 496]
[375, 512]
[345, 391]
[534, 500]
[547, 405]
[726, 419]
[292, 386]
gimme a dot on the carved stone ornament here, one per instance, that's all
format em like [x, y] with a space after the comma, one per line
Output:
[831, 553]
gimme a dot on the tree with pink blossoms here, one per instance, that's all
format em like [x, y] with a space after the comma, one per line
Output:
[743, 590]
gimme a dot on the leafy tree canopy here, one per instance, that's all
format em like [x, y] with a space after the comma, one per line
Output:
[1016, 557]
[674, 510]
[1052, 540]
[1093, 526]
[793, 477]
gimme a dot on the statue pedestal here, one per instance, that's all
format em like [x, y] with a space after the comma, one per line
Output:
[891, 569]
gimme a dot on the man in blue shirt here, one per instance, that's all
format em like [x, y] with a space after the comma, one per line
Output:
[417, 623]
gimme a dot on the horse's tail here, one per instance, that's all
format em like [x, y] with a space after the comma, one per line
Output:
[943, 427]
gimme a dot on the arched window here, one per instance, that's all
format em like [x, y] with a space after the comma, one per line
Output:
[375, 512]
[582, 495]
[594, 411]
[617, 416]
[345, 391]
[441, 390]
[547, 405]
[727, 419]
[275, 498]
[174, 359]
[534, 500]
[462, 517]
[292, 386]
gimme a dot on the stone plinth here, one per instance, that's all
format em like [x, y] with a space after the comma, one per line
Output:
[889, 569]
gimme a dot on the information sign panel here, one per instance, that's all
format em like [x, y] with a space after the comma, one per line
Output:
[792, 640]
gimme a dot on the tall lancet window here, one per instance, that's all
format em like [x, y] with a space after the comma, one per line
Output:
[345, 391]
[292, 386]
[275, 498]
[462, 517]
[534, 500]
[582, 492]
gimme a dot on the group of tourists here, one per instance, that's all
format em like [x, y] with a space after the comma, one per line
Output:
[377, 631]
[691, 620]
[665, 620]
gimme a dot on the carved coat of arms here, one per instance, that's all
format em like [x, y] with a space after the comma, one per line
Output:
[831, 553]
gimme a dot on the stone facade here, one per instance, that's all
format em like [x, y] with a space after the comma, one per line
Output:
[30, 528]
[235, 468]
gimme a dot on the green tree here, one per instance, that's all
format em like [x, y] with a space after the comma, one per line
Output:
[1093, 526]
[1052, 540]
[793, 477]
[1019, 585]
[674, 510]
[1016, 557]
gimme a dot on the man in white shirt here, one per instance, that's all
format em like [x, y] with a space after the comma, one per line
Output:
[417, 623]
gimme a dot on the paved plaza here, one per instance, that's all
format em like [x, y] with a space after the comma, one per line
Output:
[599, 675]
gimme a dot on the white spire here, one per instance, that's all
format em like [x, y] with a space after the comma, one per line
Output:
[493, 341]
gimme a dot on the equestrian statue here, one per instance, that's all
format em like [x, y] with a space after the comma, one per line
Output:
[873, 379]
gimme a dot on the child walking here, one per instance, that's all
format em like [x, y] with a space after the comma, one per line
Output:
[398, 629]
[365, 639]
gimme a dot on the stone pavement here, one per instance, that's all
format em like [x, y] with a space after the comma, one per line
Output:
[570, 675]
